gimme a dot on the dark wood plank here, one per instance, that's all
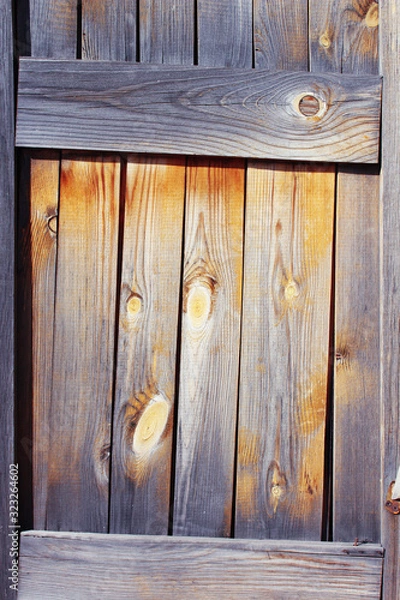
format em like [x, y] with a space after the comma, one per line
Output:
[390, 300]
[99, 566]
[7, 342]
[166, 31]
[210, 337]
[193, 110]
[103, 30]
[82, 382]
[225, 33]
[344, 40]
[54, 28]
[284, 357]
[147, 342]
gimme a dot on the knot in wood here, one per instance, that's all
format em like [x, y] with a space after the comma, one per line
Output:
[372, 16]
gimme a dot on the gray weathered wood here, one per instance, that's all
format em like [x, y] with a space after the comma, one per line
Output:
[54, 28]
[110, 106]
[347, 41]
[82, 378]
[280, 35]
[6, 289]
[147, 342]
[212, 284]
[166, 31]
[115, 566]
[103, 30]
[225, 33]
[390, 304]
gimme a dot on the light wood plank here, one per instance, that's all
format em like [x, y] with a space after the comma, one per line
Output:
[96, 105]
[210, 348]
[99, 566]
[7, 298]
[225, 34]
[103, 30]
[53, 27]
[284, 359]
[347, 41]
[79, 421]
[390, 302]
[146, 361]
[166, 31]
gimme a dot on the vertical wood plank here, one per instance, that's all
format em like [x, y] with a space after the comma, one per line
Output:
[53, 34]
[146, 363]
[344, 38]
[225, 35]
[54, 28]
[103, 30]
[166, 31]
[281, 35]
[390, 303]
[79, 415]
[286, 311]
[6, 290]
[210, 348]
[39, 249]
[207, 409]
[284, 359]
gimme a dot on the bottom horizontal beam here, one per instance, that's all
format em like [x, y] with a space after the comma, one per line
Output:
[84, 565]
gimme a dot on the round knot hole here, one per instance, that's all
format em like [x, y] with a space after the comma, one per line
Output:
[309, 105]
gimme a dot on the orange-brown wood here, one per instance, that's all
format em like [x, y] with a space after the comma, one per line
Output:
[147, 345]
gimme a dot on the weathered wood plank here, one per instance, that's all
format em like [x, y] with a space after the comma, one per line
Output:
[284, 359]
[225, 33]
[193, 110]
[160, 567]
[54, 28]
[281, 35]
[209, 348]
[347, 40]
[38, 255]
[7, 241]
[85, 304]
[390, 302]
[344, 36]
[146, 360]
[166, 31]
[103, 30]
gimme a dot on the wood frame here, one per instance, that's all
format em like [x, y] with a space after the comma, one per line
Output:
[390, 305]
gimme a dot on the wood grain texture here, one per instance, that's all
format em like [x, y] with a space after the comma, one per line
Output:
[225, 33]
[344, 38]
[7, 241]
[89, 566]
[284, 358]
[209, 348]
[96, 105]
[54, 28]
[42, 247]
[390, 303]
[146, 360]
[85, 304]
[166, 31]
[280, 35]
[103, 30]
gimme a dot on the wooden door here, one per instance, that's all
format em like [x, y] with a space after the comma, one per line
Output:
[204, 330]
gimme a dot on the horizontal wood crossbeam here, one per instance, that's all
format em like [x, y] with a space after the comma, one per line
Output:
[194, 110]
[117, 566]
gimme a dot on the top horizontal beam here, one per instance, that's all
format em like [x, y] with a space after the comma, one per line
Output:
[97, 105]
